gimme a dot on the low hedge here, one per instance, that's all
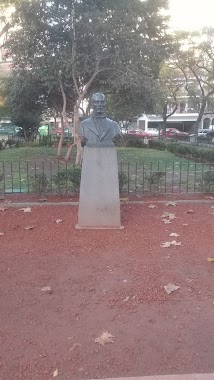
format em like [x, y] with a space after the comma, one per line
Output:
[182, 150]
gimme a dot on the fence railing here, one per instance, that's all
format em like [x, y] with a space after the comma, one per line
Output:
[134, 178]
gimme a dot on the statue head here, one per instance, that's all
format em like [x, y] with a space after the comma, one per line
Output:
[98, 104]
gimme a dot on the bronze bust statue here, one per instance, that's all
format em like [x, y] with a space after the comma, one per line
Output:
[98, 130]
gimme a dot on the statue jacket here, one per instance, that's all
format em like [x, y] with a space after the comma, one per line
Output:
[98, 131]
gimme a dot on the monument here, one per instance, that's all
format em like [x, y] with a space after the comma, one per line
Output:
[99, 203]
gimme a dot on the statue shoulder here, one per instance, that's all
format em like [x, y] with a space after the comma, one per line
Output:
[86, 121]
[112, 122]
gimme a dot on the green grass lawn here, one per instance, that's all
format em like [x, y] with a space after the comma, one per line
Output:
[24, 168]
[125, 155]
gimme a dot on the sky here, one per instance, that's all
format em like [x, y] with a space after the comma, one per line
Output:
[191, 14]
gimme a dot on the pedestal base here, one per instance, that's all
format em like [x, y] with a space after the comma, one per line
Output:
[99, 204]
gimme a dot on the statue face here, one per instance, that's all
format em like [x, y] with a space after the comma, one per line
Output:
[98, 102]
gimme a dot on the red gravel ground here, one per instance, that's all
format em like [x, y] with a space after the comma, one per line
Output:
[105, 281]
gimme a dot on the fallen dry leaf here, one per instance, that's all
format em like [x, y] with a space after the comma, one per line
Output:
[152, 206]
[174, 242]
[168, 215]
[56, 373]
[124, 199]
[171, 204]
[3, 208]
[209, 197]
[167, 244]
[8, 201]
[185, 224]
[25, 209]
[75, 345]
[29, 228]
[59, 221]
[46, 289]
[166, 221]
[170, 288]
[42, 200]
[174, 234]
[189, 212]
[104, 338]
[210, 259]
[126, 299]
[1, 233]
[172, 216]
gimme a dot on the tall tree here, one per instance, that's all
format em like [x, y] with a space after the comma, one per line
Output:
[196, 63]
[24, 101]
[92, 44]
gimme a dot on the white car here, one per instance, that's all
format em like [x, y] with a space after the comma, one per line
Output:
[203, 132]
[153, 131]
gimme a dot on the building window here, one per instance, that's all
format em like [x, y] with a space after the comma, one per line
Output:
[206, 123]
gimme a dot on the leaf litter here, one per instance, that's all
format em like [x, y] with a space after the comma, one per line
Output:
[152, 206]
[171, 204]
[168, 244]
[104, 338]
[29, 228]
[170, 288]
[25, 209]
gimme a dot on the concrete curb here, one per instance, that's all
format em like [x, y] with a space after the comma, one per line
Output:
[207, 376]
[36, 204]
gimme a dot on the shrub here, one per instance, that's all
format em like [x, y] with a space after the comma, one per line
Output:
[157, 144]
[209, 180]
[123, 179]
[61, 179]
[1, 145]
[40, 183]
[155, 178]
[135, 143]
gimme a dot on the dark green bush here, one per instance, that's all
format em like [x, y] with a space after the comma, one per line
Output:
[62, 178]
[209, 180]
[135, 143]
[157, 144]
[40, 183]
[155, 178]
[123, 179]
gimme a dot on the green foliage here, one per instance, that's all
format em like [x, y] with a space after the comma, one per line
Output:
[135, 143]
[188, 151]
[123, 180]
[68, 177]
[120, 43]
[157, 144]
[40, 183]
[24, 101]
[155, 178]
[209, 181]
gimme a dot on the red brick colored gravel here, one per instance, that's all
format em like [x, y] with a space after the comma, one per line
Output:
[105, 281]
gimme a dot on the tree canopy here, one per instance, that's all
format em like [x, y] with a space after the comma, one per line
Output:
[77, 47]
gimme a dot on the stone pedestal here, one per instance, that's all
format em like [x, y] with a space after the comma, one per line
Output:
[99, 204]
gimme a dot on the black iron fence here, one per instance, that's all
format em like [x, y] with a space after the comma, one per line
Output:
[134, 178]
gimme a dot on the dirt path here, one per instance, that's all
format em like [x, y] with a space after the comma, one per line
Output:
[105, 281]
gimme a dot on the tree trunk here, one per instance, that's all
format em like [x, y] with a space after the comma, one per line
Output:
[59, 149]
[77, 140]
[200, 115]
[164, 115]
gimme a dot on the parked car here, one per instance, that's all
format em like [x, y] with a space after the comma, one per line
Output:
[203, 133]
[153, 131]
[139, 133]
[67, 132]
[175, 133]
